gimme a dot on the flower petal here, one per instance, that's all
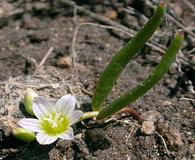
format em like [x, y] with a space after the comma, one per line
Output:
[68, 135]
[30, 124]
[75, 116]
[66, 104]
[42, 107]
[44, 139]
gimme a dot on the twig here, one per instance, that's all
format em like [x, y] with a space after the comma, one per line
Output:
[131, 131]
[164, 143]
[12, 13]
[190, 99]
[132, 112]
[85, 91]
[75, 14]
[45, 57]
[19, 85]
[191, 51]
[120, 121]
[69, 89]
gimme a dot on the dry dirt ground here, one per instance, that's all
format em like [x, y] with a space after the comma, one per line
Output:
[29, 29]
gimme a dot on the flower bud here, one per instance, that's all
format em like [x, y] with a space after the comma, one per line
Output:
[24, 134]
[28, 100]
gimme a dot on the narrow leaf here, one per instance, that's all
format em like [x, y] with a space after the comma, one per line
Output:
[148, 83]
[123, 56]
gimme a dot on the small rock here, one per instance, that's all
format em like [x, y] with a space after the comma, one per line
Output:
[64, 62]
[167, 81]
[78, 136]
[5, 9]
[148, 127]
[144, 157]
[151, 116]
[1, 12]
[41, 6]
[111, 14]
[193, 59]
[192, 149]
[166, 103]
[174, 68]
[38, 36]
[130, 21]
[171, 135]
[85, 151]
[28, 6]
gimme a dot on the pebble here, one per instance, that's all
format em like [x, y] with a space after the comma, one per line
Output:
[64, 62]
[174, 68]
[38, 36]
[111, 14]
[148, 127]
[78, 136]
[28, 6]
[41, 6]
[151, 116]
[1, 12]
[171, 135]
[130, 21]
[5, 9]
[166, 103]
[193, 59]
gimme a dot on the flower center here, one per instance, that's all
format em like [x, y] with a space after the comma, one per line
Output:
[54, 123]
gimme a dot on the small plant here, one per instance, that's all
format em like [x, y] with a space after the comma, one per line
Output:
[55, 119]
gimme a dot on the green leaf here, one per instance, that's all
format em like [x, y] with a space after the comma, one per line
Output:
[148, 83]
[24, 134]
[123, 56]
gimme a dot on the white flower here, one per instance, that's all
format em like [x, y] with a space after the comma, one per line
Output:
[54, 119]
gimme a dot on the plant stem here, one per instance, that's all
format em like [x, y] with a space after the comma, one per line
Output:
[88, 115]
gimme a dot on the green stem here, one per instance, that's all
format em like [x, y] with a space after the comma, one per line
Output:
[88, 115]
[123, 56]
[148, 83]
